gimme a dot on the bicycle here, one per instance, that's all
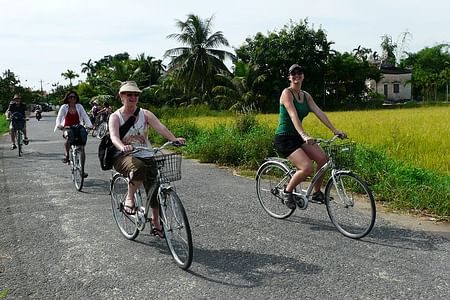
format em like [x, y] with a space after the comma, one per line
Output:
[76, 166]
[100, 126]
[173, 217]
[18, 124]
[349, 200]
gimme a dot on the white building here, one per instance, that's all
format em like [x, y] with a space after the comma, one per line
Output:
[395, 84]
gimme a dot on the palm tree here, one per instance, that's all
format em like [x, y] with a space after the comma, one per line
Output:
[148, 71]
[88, 68]
[241, 90]
[69, 74]
[199, 60]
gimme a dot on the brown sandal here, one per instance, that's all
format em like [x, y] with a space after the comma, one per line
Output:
[157, 232]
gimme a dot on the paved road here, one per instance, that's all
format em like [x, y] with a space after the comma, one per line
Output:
[57, 243]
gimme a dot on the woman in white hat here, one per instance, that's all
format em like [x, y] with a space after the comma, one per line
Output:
[291, 139]
[136, 166]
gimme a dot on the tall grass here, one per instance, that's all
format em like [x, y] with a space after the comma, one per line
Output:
[4, 125]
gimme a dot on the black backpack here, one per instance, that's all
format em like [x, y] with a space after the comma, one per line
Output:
[106, 149]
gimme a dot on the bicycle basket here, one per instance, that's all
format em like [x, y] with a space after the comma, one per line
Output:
[169, 166]
[343, 154]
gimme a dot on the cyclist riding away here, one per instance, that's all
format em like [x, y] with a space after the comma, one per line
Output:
[293, 142]
[17, 106]
[138, 166]
[72, 113]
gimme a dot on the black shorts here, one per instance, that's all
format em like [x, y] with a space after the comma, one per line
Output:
[285, 144]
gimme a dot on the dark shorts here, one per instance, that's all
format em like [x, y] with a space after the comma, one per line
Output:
[286, 144]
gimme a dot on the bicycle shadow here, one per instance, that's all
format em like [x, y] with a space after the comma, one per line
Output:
[383, 234]
[238, 268]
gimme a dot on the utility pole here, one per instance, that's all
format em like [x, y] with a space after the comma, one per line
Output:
[41, 85]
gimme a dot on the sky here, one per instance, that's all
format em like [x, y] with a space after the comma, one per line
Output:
[40, 39]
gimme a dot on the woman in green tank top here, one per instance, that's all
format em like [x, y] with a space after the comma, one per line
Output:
[291, 139]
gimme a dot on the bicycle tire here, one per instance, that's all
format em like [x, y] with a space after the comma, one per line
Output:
[271, 179]
[126, 223]
[350, 204]
[177, 231]
[102, 129]
[19, 139]
[77, 170]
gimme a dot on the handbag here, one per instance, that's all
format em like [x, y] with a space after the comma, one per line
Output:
[107, 152]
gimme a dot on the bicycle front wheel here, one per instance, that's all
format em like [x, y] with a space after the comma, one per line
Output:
[77, 170]
[126, 223]
[350, 204]
[102, 129]
[271, 179]
[19, 138]
[176, 228]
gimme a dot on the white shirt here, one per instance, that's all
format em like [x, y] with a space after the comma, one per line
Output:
[81, 113]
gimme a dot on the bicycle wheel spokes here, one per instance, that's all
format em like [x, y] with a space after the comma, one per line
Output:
[271, 180]
[125, 222]
[78, 171]
[176, 229]
[350, 205]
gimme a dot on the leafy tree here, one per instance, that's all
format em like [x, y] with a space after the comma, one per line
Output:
[196, 63]
[274, 53]
[431, 68]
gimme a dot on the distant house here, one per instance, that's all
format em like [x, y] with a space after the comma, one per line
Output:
[395, 84]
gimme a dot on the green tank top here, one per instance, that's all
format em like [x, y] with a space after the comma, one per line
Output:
[285, 124]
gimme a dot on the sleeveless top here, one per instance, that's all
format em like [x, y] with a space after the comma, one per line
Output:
[72, 118]
[137, 135]
[285, 125]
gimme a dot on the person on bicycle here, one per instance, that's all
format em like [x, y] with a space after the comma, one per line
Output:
[17, 106]
[137, 165]
[293, 142]
[72, 113]
[105, 112]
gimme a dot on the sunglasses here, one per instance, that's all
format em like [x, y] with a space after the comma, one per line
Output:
[132, 94]
[293, 73]
[72, 97]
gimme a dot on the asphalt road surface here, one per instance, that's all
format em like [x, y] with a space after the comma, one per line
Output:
[57, 243]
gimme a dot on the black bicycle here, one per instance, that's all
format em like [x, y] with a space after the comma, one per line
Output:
[18, 121]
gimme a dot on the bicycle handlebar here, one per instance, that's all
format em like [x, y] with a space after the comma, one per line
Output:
[157, 149]
[329, 141]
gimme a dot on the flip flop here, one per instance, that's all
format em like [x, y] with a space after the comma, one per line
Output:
[131, 211]
[157, 232]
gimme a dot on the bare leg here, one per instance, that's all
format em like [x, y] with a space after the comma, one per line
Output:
[304, 168]
[133, 186]
[316, 153]
[13, 136]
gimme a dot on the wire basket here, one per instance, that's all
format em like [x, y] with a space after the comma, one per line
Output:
[169, 166]
[343, 154]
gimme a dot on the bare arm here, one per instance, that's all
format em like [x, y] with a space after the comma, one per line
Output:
[113, 125]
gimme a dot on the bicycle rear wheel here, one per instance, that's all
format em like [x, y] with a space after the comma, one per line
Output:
[126, 223]
[350, 204]
[176, 228]
[77, 170]
[271, 179]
